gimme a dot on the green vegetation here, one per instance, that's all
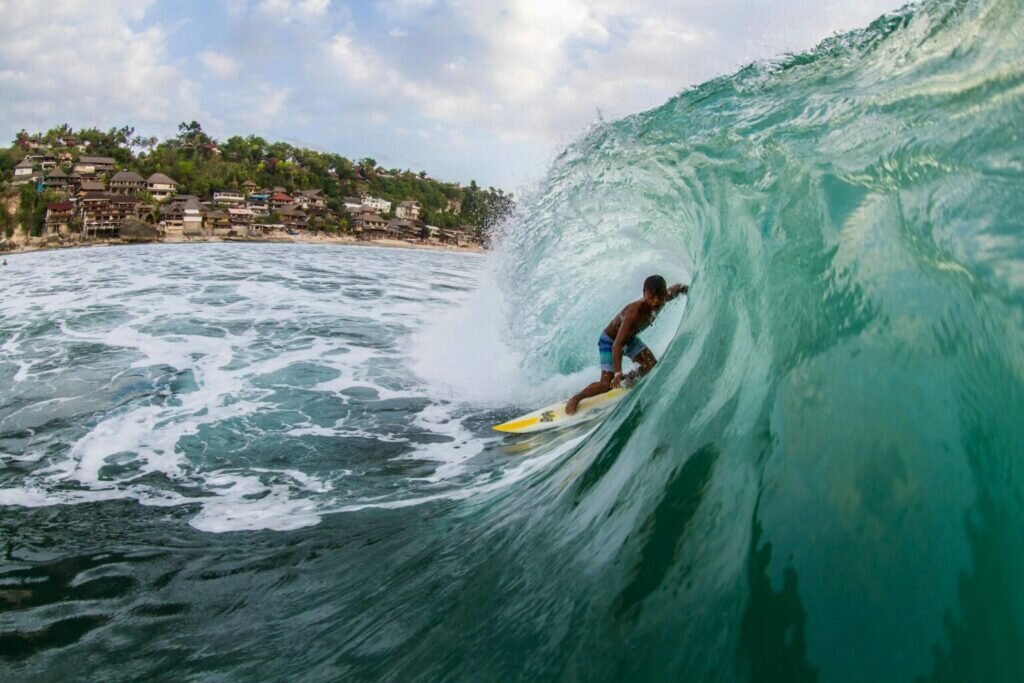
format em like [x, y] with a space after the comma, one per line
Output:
[201, 165]
[6, 221]
[32, 209]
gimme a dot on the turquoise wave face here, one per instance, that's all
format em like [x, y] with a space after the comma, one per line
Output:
[266, 462]
[822, 477]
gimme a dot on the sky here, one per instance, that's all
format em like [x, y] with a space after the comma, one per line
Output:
[461, 89]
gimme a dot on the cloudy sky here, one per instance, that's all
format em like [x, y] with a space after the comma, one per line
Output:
[463, 89]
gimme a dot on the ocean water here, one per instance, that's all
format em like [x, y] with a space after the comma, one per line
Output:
[269, 462]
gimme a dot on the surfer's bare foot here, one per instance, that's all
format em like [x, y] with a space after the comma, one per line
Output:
[571, 405]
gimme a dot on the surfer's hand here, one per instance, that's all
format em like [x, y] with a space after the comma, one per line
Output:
[616, 380]
[677, 289]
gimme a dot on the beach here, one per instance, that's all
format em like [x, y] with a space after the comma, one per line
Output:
[32, 244]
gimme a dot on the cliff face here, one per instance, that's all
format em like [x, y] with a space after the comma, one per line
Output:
[11, 204]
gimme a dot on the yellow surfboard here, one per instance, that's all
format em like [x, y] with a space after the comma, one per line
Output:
[554, 415]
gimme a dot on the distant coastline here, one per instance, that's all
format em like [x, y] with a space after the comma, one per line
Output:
[69, 188]
[326, 240]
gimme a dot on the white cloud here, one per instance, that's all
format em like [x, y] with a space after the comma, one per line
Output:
[519, 75]
[220, 65]
[258, 107]
[404, 8]
[535, 69]
[286, 11]
[527, 42]
[89, 64]
[373, 75]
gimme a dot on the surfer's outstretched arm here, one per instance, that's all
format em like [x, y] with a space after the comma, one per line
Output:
[676, 290]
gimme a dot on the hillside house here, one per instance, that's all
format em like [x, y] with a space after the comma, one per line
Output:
[192, 218]
[90, 165]
[258, 204]
[56, 180]
[279, 199]
[249, 187]
[45, 161]
[127, 182]
[311, 199]
[368, 225]
[404, 229]
[241, 220]
[218, 223]
[102, 213]
[376, 203]
[24, 169]
[408, 209]
[293, 217]
[172, 213]
[228, 197]
[85, 186]
[59, 216]
[161, 187]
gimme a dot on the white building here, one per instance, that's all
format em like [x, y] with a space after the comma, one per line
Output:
[24, 168]
[192, 218]
[408, 210]
[161, 187]
[228, 197]
[95, 164]
[376, 203]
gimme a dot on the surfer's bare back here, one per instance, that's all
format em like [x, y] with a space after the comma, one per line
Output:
[621, 336]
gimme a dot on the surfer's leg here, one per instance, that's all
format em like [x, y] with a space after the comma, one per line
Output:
[593, 389]
[646, 360]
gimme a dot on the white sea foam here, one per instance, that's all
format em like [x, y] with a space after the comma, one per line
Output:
[205, 375]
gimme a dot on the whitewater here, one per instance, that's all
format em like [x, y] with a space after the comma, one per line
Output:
[251, 462]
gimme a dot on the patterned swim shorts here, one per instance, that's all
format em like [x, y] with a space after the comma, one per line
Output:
[633, 348]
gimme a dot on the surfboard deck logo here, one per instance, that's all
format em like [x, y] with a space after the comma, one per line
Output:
[553, 416]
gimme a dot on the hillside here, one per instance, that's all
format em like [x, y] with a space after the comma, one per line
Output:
[202, 165]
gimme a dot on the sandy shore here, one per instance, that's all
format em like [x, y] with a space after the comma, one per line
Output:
[36, 244]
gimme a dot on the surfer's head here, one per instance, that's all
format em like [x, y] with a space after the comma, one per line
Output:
[655, 291]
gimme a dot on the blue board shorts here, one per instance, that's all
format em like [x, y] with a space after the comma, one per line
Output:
[633, 348]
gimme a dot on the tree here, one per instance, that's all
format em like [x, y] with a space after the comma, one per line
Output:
[26, 207]
[120, 137]
[192, 137]
[145, 144]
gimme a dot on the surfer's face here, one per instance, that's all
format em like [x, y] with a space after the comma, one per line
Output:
[655, 301]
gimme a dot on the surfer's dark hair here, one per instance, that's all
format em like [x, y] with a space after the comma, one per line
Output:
[655, 284]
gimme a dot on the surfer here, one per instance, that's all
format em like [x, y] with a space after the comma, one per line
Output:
[621, 337]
